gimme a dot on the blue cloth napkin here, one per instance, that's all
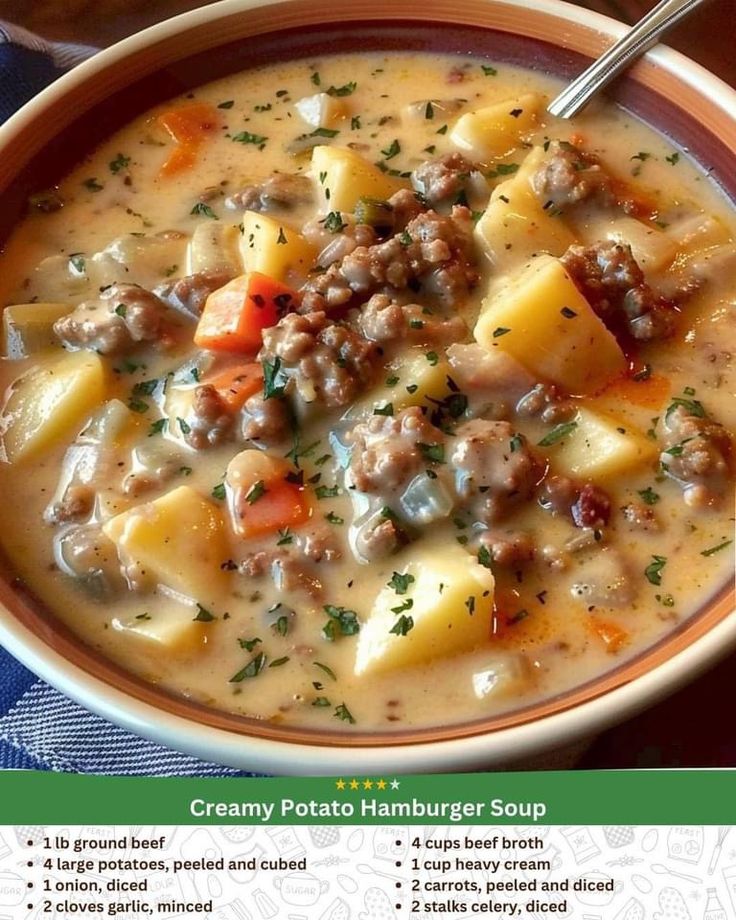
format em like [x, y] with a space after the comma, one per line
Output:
[39, 727]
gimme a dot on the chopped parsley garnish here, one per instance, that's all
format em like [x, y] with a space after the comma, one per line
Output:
[341, 622]
[499, 331]
[77, 262]
[219, 491]
[433, 452]
[355, 124]
[323, 132]
[277, 662]
[158, 427]
[388, 409]
[121, 310]
[316, 79]
[321, 701]
[323, 667]
[432, 357]
[333, 222]
[442, 130]
[674, 159]
[402, 626]
[137, 405]
[203, 615]
[227, 104]
[400, 582]
[393, 149]
[249, 644]
[692, 406]
[281, 625]
[246, 137]
[327, 491]
[666, 600]
[641, 155]
[503, 169]
[516, 443]
[488, 70]
[183, 470]
[252, 669]
[257, 491]
[343, 713]
[204, 209]
[470, 604]
[484, 556]
[120, 162]
[347, 89]
[93, 185]
[715, 549]
[568, 313]
[649, 496]
[392, 380]
[429, 111]
[333, 518]
[653, 572]
[272, 374]
[281, 238]
[184, 426]
[285, 537]
[145, 387]
[405, 605]
[558, 433]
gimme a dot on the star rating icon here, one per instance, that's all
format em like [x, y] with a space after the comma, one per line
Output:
[354, 784]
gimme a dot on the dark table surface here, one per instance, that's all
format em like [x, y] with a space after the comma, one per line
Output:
[693, 727]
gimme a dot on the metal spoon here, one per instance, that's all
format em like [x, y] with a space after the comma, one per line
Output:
[620, 55]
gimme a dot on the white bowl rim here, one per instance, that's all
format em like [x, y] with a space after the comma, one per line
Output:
[253, 753]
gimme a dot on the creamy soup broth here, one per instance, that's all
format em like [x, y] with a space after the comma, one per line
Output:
[594, 558]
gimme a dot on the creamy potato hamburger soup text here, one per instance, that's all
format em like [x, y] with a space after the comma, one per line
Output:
[362, 394]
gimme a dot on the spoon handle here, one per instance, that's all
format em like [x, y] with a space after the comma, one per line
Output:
[608, 66]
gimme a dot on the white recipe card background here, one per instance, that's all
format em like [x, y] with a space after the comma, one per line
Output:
[658, 873]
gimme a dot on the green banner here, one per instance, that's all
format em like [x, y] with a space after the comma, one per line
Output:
[601, 797]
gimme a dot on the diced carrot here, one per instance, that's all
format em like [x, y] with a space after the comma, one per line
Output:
[612, 635]
[189, 126]
[237, 383]
[270, 506]
[649, 393]
[235, 315]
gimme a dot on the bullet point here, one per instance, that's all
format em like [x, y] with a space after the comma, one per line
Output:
[29, 842]
[29, 906]
[398, 843]
[398, 865]
[30, 884]
[398, 884]
[397, 906]
[30, 863]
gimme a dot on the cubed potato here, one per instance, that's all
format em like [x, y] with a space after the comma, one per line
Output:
[343, 176]
[495, 131]
[170, 628]
[424, 379]
[601, 446]
[29, 327]
[49, 402]
[652, 248]
[501, 675]
[515, 226]
[452, 600]
[178, 540]
[275, 249]
[541, 319]
[214, 246]
[321, 110]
